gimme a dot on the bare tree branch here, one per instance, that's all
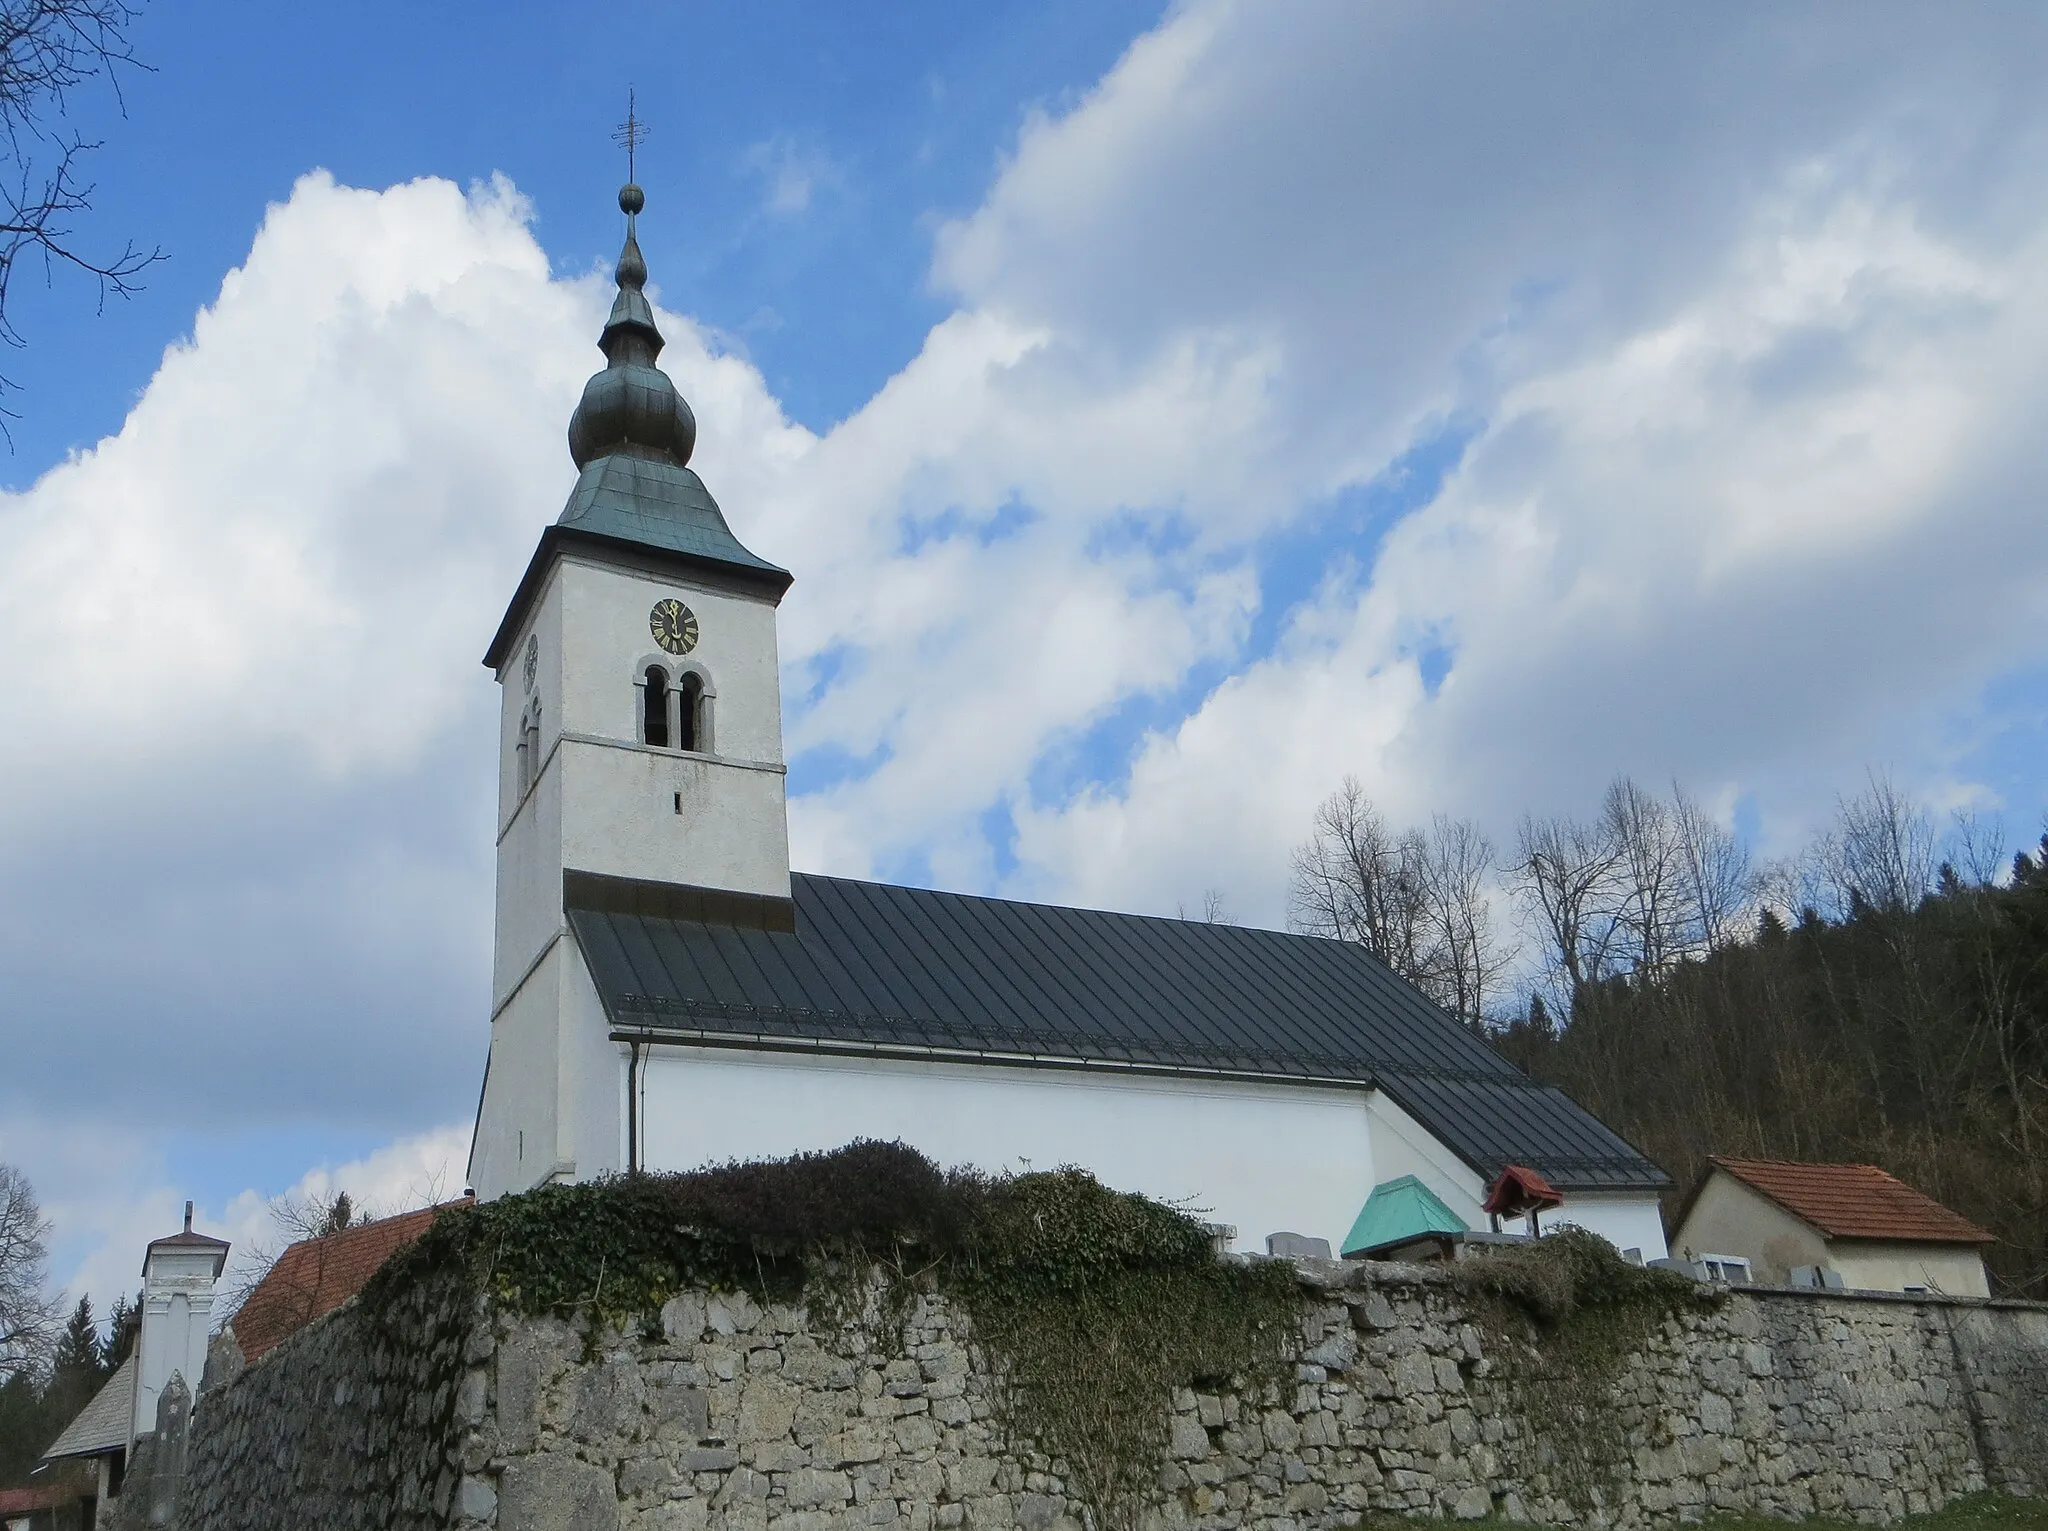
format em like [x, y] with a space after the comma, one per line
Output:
[1567, 876]
[1462, 961]
[1354, 880]
[1719, 879]
[29, 1314]
[48, 49]
[1417, 901]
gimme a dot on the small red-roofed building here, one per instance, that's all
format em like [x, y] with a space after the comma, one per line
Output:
[1851, 1225]
[33, 1509]
[315, 1276]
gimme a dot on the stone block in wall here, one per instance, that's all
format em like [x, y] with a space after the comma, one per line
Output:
[767, 1410]
[547, 1492]
[529, 1357]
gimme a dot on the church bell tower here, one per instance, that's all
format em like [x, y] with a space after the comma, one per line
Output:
[640, 745]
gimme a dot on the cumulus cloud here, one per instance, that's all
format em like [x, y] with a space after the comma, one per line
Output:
[1740, 312]
[248, 823]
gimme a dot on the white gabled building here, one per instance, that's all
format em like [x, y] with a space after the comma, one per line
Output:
[667, 992]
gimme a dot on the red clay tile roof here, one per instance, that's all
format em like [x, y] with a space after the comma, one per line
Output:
[1854, 1201]
[315, 1276]
[26, 1501]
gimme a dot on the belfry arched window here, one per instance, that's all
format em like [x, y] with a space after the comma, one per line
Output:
[690, 711]
[526, 746]
[654, 727]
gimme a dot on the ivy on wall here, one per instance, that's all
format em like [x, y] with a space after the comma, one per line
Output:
[1094, 1305]
[1564, 1317]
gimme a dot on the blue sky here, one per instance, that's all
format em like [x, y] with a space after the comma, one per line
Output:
[1165, 412]
[816, 147]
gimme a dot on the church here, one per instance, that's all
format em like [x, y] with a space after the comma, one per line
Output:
[667, 992]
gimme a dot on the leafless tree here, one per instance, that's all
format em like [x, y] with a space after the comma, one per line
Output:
[1718, 876]
[1215, 910]
[1977, 847]
[1417, 899]
[1355, 880]
[29, 1314]
[1567, 877]
[1648, 916]
[49, 48]
[1882, 851]
[294, 1219]
[1459, 957]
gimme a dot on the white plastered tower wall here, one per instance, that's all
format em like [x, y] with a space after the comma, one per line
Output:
[177, 1320]
[584, 785]
[602, 800]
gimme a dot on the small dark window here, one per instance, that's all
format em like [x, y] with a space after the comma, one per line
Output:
[690, 691]
[654, 706]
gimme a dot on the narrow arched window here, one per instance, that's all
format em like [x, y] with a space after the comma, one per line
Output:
[690, 691]
[654, 708]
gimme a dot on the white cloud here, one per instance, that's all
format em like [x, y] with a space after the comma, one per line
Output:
[108, 1194]
[1746, 308]
[791, 173]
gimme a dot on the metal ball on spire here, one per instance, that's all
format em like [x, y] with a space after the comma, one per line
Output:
[631, 407]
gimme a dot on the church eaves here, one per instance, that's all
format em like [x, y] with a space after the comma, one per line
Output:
[631, 438]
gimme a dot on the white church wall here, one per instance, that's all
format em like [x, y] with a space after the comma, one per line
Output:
[551, 1102]
[1627, 1221]
[529, 888]
[543, 632]
[1403, 1146]
[1262, 1158]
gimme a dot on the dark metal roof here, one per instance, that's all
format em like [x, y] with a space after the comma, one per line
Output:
[663, 507]
[873, 967]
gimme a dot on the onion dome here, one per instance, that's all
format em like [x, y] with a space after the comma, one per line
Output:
[636, 497]
[631, 408]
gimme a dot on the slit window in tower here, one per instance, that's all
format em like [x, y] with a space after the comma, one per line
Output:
[654, 708]
[691, 689]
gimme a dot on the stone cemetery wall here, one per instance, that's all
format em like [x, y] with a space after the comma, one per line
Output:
[350, 1425]
[1403, 1397]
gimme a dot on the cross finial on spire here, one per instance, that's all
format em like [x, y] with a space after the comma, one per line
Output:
[630, 132]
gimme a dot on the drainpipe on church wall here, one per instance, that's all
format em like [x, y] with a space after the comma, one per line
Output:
[633, 1108]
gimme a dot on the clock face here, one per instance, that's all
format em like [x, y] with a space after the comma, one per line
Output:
[532, 659]
[674, 625]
